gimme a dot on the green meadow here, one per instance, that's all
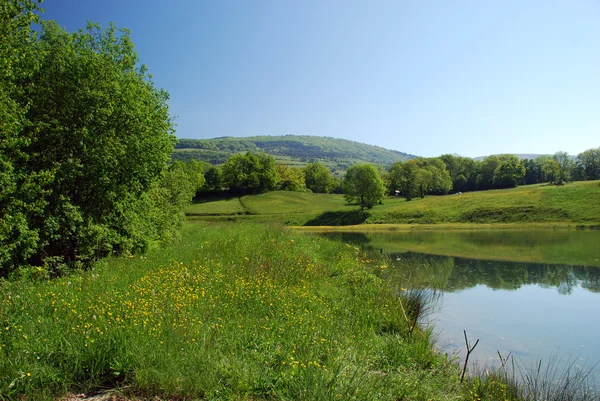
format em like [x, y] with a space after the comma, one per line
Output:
[573, 203]
[242, 308]
[233, 311]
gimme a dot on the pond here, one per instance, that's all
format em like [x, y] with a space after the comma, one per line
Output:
[531, 294]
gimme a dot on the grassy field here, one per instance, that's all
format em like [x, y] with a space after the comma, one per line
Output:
[574, 203]
[234, 311]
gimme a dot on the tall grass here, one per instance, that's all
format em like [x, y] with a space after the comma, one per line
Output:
[550, 380]
[231, 312]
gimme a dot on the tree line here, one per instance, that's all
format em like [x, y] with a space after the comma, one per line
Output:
[367, 185]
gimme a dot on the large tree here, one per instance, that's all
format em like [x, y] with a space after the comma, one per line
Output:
[290, 178]
[509, 173]
[564, 166]
[318, 178]
[91, 143]
[590, 161]
[19, 197]
[362, 183]
[249, 173]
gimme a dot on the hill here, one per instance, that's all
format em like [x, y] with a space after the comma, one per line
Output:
[574, 203]
[295, 150]
[521, 156]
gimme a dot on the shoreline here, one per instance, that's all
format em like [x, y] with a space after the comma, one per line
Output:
[450, 226]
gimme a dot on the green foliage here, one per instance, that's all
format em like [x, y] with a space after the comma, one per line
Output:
[231, 312]
[541, 203]
[249, 173]
[319, 178]
[509, 173]
[338, 154]
[565, 164]
[195, 171]
[550, 169]
[404, 178]
[590, 161]
[290, 178]
[88, 137]
[363, 183]
[213, 178]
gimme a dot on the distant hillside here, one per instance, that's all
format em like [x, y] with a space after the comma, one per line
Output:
[297, 150]
[523, 156]
[520, 156]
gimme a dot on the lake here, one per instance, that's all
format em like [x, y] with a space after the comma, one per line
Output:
[533, 294]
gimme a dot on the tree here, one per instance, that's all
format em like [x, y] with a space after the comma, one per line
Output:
[590, 161]
[404, 177]
[318, 178]
[19, 195]
[195, 172]
[485, 178]
[564, 165]
[250, 174]
[91, 144]
[362, 183]
[213, 177]
[550, 169]
[290, 178]
[462, 172]
[509, 173]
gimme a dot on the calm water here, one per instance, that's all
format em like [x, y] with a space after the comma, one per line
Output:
[533, 294]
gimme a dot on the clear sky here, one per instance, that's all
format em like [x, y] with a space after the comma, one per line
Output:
[424, 77]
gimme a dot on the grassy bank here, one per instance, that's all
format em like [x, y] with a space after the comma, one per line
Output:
[231, 312]
[576, 203]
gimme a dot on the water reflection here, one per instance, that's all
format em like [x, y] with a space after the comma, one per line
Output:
[532, 294]
[453, 274]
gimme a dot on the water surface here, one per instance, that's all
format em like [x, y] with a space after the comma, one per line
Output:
[531, 294]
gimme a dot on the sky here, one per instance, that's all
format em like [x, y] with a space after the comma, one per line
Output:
[425, 77]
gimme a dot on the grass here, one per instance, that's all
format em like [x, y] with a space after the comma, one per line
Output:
[234, 311]
[549, 380]
[574, 203]
[231, 206]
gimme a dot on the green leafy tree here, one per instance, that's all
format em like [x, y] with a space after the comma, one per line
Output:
[20, 194]
[550, 169]
[214, 178]
[405, 178]
[195, 172]
[165, 202]
[250, 174]
[462, 170]
[319, 178]
[590, 161]
[564, 163]
[424, 181]
[290, 178]
[362, 183]
[509, 173]
[485, 177]
[90, 145]
[440, 181]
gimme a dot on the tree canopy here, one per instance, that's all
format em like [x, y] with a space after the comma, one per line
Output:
[362, 183]
[250, 174]
[86, 138]
[319, 178]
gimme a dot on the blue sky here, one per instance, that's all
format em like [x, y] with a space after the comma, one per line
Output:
[423, 77]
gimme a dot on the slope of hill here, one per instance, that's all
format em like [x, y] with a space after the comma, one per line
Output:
[520, 156]
[574, 203]
[298, 150]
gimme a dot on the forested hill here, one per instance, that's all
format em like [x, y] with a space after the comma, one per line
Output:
[338, 154]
